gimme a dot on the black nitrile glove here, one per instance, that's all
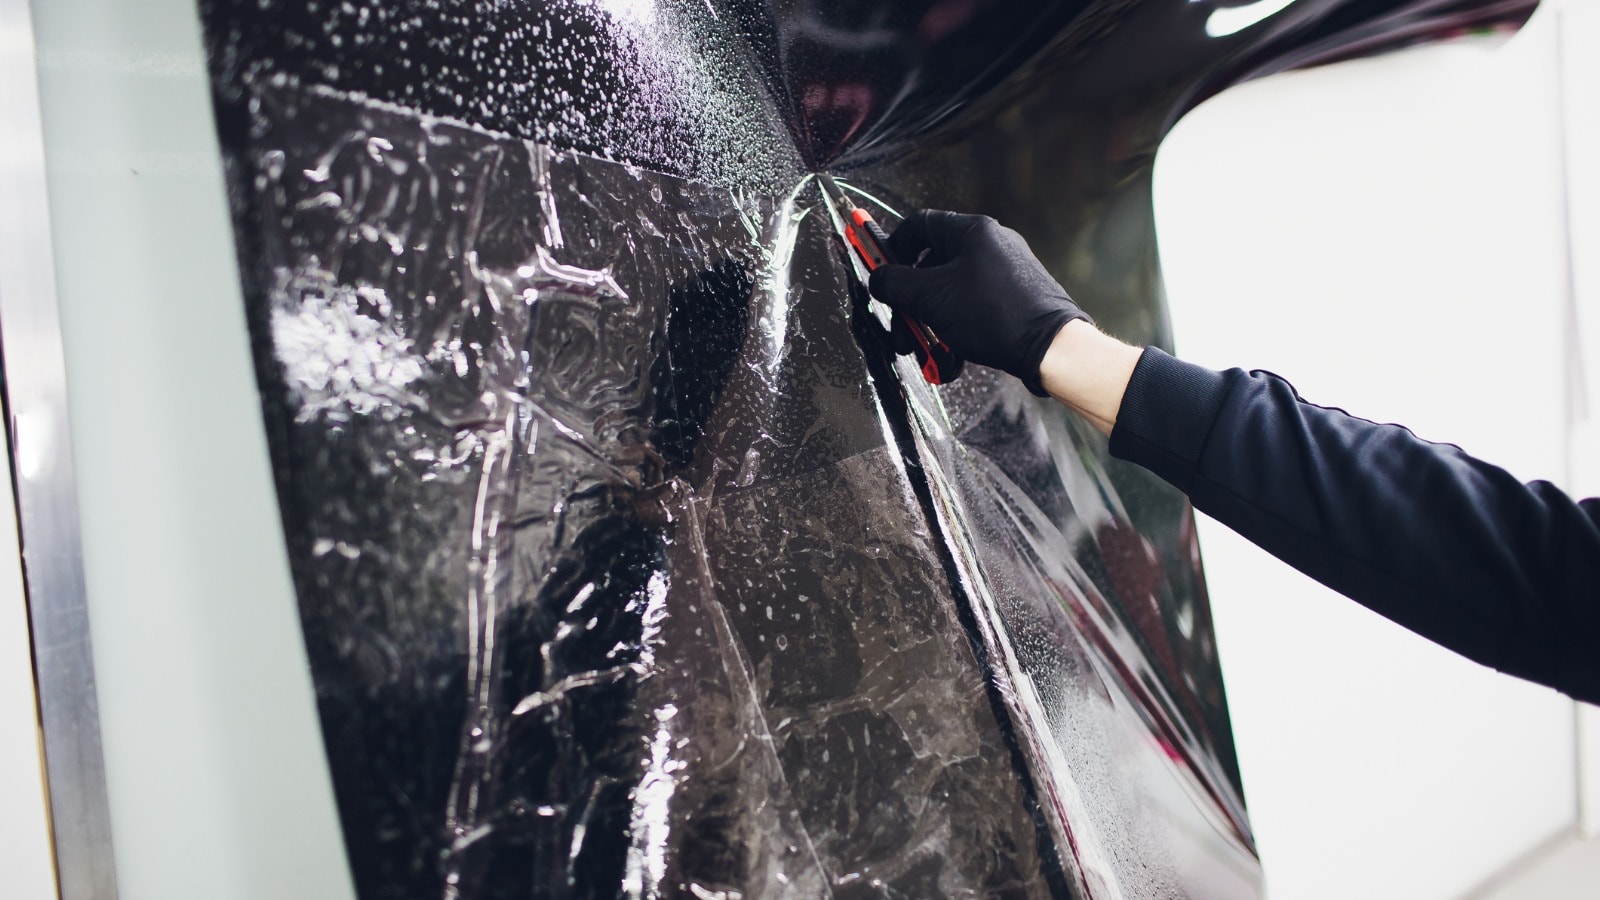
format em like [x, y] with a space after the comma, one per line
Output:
[979, 287]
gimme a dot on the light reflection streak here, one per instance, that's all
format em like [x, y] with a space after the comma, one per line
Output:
[776, 291]
[1227, 20]
[34, 429]
[652, 799]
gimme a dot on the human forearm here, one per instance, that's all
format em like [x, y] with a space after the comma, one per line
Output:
[1451, 547]
[1088, 371]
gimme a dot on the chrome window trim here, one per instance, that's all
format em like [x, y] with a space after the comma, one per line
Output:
[45, 486]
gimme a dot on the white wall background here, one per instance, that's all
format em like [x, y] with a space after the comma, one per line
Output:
[1391, 236]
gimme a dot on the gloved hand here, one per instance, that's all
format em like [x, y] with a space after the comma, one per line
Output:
[979, 287]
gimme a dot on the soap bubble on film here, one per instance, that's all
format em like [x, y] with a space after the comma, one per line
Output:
[691, 69]
[338, 359]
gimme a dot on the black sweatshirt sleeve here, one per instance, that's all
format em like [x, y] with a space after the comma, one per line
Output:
[1451, 547]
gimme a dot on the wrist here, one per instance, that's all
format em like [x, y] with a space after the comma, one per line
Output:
[1088, 371]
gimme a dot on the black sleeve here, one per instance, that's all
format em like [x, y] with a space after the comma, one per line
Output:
[1453, 548]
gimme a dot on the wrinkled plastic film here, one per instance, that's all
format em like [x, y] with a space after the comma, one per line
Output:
[1133, 765]
[597, 577]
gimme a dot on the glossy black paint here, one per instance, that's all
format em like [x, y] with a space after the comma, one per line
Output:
[630, 561]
